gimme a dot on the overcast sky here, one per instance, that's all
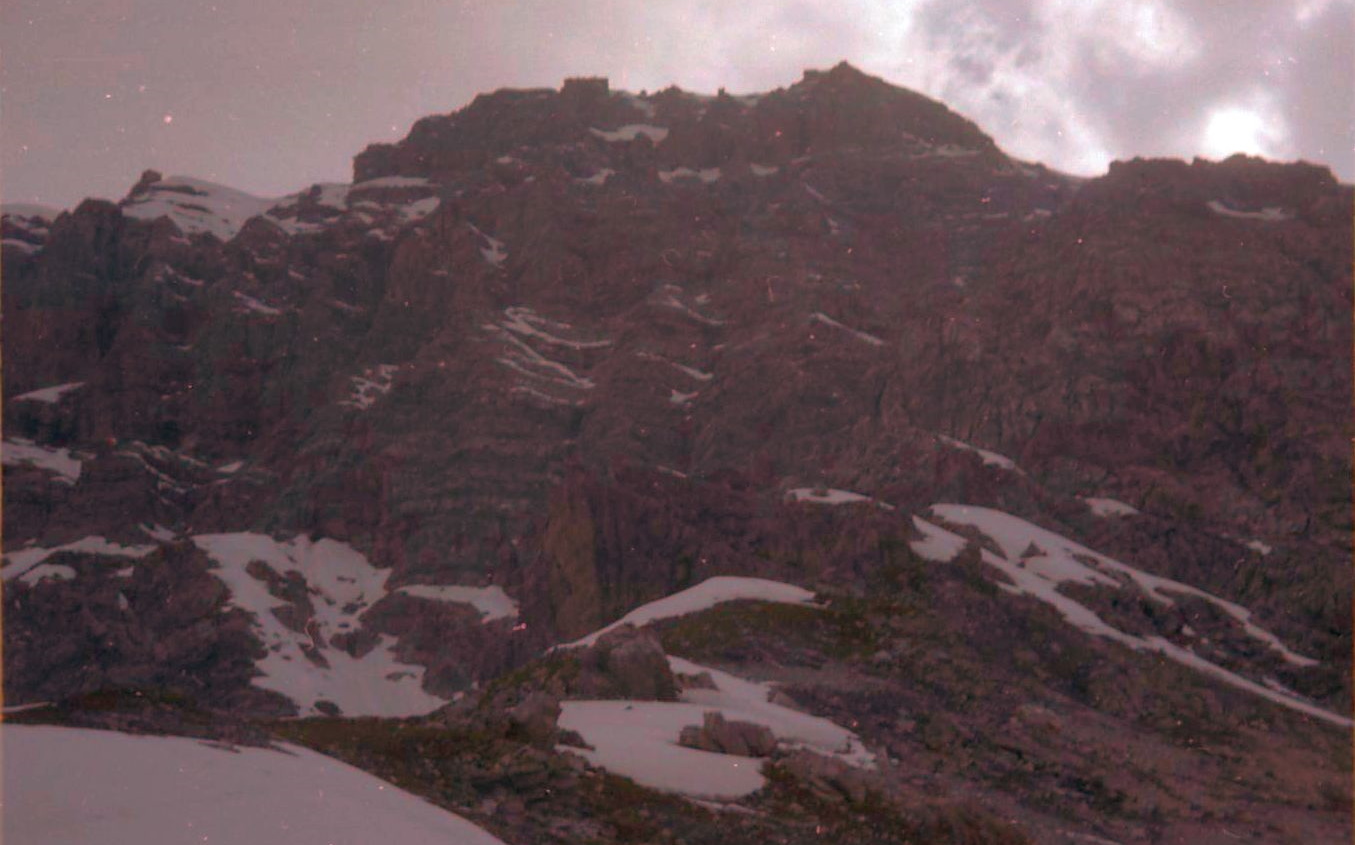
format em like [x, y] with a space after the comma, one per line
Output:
[272, 95]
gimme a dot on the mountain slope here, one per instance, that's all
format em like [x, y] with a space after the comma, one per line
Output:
[367, 449]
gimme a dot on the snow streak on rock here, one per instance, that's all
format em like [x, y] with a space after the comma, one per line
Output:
[820, 317]
[1109, 507]
[374, 383]
[631, 131]
[492, 602]
[19, 452]
[49, 395]
[1267, 215]
[1038, 561]
[990, 458]
[27, 564]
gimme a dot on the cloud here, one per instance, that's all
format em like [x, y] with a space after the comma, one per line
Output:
[268, 95]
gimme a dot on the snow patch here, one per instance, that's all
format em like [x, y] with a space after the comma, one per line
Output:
[820, 317]
[197, 206]
[18, 563]
[1272, 214]
[525, 360]
[23, 246]
[1109, 507]
[631, 131]
[493, 251]
[707, 175]
[49, 395]
[394, 182]
[419, 209]
[249, 303]
[639, 739]
[599, 178]
[989, 458]
[374, 383]
[937, 544]
[158, 532]
[43, 571]
[691, 371]
[492, 602]
[761, 170]
[526, 322]
[825, 496]
[707, 594]
[668, 300]
[340, 585]
[19, 452]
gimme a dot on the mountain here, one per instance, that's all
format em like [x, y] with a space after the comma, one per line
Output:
[984, 502]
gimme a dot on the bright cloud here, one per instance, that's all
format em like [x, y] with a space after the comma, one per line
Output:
[1242, 129]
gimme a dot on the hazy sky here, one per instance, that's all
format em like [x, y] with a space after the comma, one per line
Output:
[272, 95]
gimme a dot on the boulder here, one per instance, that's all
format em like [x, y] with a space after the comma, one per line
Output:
[718, 734]
[625, 663]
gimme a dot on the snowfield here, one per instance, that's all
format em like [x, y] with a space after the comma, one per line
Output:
[341, 585]
[639, 739]
[68, 786]
[197, 206]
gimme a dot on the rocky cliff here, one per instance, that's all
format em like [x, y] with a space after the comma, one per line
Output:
[362, 448]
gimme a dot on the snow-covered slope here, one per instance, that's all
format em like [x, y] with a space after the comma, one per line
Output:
[704, 596]
[196, 205]
[340, 584]
[1037, 562]
[67, 786]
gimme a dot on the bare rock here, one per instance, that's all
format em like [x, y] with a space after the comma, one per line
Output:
[535, 719]
[626, 663]
[718, 734]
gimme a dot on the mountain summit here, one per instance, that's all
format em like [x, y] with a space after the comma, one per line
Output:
[750, 468]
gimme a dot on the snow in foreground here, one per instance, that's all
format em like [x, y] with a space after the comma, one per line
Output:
[707, 594]
[639, 739]
[67, 786]
[1037, 561]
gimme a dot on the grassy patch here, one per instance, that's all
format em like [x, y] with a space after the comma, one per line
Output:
[840, 631]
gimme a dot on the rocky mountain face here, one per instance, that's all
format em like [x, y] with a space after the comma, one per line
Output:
[1064, 462]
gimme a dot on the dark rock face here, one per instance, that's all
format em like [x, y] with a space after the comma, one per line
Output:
[743, 739]
[594, 348]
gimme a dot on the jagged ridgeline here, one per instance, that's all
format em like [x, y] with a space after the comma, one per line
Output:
[627, 467]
